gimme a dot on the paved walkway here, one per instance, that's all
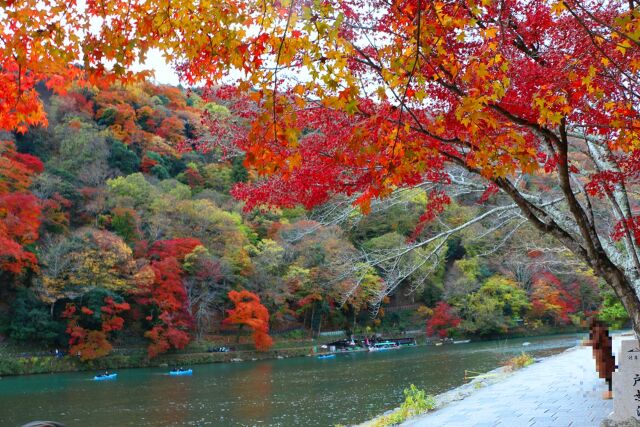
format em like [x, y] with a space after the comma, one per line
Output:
[562, 390]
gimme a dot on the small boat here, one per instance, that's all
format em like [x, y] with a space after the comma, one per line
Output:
[104, 377]
[384, 346]
[525, 344]
[179, 372]
[461, 341]
[326, 356]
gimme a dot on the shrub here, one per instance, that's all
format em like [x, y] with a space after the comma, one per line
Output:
[120, 157]
[520, 361]
[416, 402]
[9, 366]
[612, 311]
[32, 321]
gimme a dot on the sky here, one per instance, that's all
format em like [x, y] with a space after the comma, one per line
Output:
[164, 74]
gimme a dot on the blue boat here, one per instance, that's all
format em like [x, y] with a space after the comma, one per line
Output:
[105, 377]
[326, 356]
[181, 372]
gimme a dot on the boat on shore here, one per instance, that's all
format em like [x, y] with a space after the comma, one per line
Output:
[384, 346]
[326, 356]
[461, 341]
[104, 377]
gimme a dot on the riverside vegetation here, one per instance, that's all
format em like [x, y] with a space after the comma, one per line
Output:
[127, 240]
[465, 130]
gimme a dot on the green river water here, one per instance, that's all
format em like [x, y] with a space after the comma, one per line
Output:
[306, 391]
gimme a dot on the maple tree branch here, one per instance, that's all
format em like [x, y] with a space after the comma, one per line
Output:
[589, 234]
[411, 74]
[518, 41]
[601, 22]
[629, 239]
[604, 160]
[505, 239]
[603, 53]
[540, 219]
[275, 72]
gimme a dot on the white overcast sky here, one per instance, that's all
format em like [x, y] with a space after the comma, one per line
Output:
[164, 74]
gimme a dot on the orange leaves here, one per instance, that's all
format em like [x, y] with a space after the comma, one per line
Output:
[88, 344]
[86, 311]
[172, 129]
[551, 108]
[475, 85]
[558, 7]
[20, 105]
[43, 41]
[250, 312]
[36, 46]
[84, 341]
[551, 301]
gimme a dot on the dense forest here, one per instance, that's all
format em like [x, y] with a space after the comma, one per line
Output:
[125, 222]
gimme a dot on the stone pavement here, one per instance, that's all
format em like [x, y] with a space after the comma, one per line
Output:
[562, 390]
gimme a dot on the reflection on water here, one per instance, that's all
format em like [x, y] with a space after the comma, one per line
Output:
[304, 391]
[255, 387]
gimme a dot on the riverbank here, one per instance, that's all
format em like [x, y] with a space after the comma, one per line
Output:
[559, 390]
[23, 361]
[28, 365]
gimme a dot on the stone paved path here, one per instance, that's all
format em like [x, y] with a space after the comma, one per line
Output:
[562, 390]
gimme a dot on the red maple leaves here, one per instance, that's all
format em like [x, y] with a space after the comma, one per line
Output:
[551, 300]
[442, 321]
[88, 343]
[19, 209]
[166, 296]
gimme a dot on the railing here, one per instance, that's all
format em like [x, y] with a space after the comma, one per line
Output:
[332, 333]
[401, 308]
[286, 331]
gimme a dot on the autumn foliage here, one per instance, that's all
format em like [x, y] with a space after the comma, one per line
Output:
[248, 311]
[165, 294]
[19, 209]
[528, 104]
[551, 301]
[88, 343]
[175, 248]
[442, 320]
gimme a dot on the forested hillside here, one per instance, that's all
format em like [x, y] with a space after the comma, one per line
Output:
[119, 225]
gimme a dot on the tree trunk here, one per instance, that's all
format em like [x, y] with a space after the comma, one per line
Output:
[625, 291]
[238, 334]
[590, 250]
[313, 313]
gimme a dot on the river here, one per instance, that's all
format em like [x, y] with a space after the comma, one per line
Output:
[306, 391]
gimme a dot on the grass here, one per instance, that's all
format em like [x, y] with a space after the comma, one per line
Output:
[520, 361]
[416, 402]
